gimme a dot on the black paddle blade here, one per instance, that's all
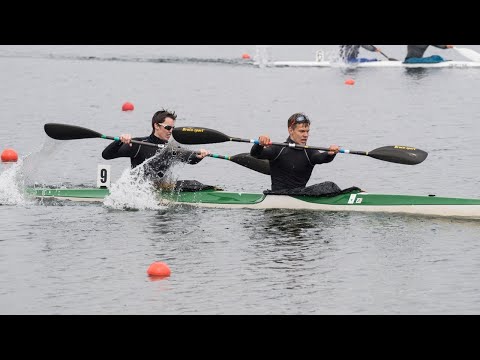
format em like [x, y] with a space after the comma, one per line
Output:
[245, 159]
[69, 132]
[196, 135]
[399, 154]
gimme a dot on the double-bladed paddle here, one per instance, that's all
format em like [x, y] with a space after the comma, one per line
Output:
[73, 132]
[396, 154]
[378, 50]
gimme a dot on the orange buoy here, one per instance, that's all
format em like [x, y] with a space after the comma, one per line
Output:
[349, 82]
[158, 269]
[9, 155]
[245, 56]
[128, 106]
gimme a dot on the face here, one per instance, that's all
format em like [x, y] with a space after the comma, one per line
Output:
[163, 133]
[299, 133]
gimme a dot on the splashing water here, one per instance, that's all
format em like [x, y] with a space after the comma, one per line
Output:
[133, 191]
[12, 185]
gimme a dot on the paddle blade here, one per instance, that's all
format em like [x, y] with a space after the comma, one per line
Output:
[399, 154]
[245, 159]
[196, 135]
[69, 132]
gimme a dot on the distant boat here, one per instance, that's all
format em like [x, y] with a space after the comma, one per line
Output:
[262, 60]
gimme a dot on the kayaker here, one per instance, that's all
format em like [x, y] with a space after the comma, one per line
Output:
[349, 53]
[415, 54]
[291, 168]
[163, 123]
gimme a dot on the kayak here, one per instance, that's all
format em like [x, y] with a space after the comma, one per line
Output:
[372, 64]
[430, 205]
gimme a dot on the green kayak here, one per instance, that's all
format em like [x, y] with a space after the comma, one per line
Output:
[353, 201]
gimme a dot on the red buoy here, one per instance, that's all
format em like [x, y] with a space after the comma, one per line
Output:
[128, 106]
[158, 269]
[9, 155]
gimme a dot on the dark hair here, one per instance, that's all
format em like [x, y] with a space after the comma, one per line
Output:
[298, 118]
[160, 116]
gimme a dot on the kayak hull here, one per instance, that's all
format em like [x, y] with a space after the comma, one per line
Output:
[356, 201]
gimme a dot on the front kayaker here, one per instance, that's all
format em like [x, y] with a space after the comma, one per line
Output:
[163, 122]
[291, 168]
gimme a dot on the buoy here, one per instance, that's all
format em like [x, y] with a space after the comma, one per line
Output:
[349, 82]
[158, 269]
[9, 155]
[128, 106]
[245, 56]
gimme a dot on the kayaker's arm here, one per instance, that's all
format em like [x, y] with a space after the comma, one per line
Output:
[320, 157]
[189, 156]
[263, 151]
[118, 149]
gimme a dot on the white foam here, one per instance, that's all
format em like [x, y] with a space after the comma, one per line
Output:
[12, 184]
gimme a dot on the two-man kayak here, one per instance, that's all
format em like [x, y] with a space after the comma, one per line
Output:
[352, 201]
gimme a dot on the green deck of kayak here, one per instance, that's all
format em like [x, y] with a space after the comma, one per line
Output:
[220, 197]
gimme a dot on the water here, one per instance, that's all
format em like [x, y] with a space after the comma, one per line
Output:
[64, 258]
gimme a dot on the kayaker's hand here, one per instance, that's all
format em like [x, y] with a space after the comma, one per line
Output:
[126, 139]
[333, 149]
[264, 140]
[450, 46]
[202, 153]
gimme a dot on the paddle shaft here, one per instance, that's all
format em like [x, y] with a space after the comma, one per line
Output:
[383, 54]
[297, 146]
[378, 50]
[216, 156]
[116, 138]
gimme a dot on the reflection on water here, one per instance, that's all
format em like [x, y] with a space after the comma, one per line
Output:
[417, 73]
[293, 240]
[289, 224]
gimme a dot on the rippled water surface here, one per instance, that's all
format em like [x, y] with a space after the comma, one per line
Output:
[83, 258]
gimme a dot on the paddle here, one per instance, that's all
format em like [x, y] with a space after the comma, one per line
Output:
[469, 53]
[378, 50]
[395, 154]
[73, 132]
[245, 159]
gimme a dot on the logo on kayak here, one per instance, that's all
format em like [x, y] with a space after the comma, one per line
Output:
[195, 130]
[354, 200]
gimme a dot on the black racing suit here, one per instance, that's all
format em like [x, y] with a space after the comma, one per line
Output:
[157, 167]
[290, 168]
[417, 51]
[350, 52]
